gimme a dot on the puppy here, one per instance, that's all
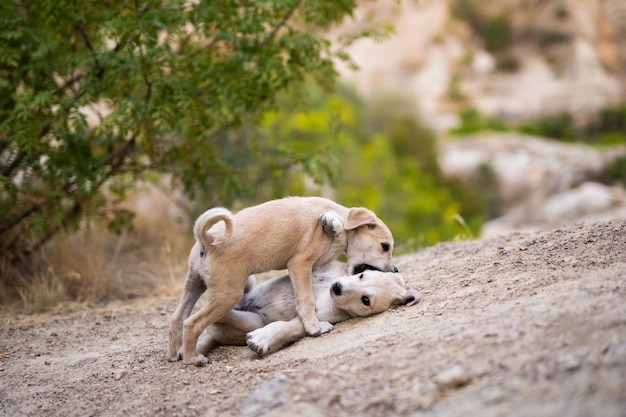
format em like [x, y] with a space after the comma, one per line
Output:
[266, 319]
[278, 234]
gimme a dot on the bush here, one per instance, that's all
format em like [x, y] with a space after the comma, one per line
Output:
[166, 84]
[508, 63]
[471, 121]
[495, 31]
[608, 127]
[384, 159]
[616, 171]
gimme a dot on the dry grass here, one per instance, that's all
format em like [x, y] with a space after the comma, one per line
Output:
[94, 266]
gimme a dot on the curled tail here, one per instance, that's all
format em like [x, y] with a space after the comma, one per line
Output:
[206, 220]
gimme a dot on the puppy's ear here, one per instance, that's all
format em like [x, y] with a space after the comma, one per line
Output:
[410, 297]
[359, 216]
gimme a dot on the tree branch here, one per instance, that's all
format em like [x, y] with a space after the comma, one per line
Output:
[76, 209]
[72, 214]
[80, 28]
[121, 152]
[282, 23]
[114, 160]
[3, 142]
[6, 172]
[9, 225]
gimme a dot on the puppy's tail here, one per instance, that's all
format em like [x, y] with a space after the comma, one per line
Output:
[206, 220]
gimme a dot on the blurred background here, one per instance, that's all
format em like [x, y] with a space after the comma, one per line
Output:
[452, 120]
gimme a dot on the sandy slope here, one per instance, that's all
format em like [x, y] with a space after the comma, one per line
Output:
[525, 324]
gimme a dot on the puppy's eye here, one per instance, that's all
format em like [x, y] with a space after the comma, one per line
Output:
[365, 300]
[385, 247]
[361, 276]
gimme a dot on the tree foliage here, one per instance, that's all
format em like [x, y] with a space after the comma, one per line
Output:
[167, 82]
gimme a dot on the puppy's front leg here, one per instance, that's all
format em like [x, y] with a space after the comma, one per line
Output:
[300, 275]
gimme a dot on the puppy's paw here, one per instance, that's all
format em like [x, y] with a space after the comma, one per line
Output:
[174, 351]
[331, 224]
[259, 342]
[198, 360]
[175, 357]
[319, 329]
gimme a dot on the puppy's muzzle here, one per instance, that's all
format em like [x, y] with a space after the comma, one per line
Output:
[364, 267]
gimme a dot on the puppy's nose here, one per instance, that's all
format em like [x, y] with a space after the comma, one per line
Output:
[395, 269]
[336, 288]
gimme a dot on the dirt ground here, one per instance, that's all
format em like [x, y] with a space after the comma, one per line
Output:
[521, 325]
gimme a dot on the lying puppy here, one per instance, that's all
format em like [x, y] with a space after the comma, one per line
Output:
[265, 318]
[279, 234]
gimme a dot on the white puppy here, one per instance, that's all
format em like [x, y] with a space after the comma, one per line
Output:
[265, 318]
[279, 234]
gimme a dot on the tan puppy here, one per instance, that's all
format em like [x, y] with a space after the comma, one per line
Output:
[265, 318]
[278, 234]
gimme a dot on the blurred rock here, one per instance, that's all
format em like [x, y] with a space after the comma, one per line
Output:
[279, 398]
[483, 62]
[543, 184]
[526, 167]
[572, 61]
[538, 90]
[590, 202]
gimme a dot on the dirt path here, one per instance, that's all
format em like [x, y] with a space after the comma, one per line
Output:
[526, 324]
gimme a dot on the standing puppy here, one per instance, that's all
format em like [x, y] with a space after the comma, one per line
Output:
[279, 234]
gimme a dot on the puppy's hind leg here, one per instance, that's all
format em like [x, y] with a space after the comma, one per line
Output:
[230, 330]
[193, 288]
[223, 295]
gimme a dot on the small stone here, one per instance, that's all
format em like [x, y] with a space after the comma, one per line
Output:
[618, 354]
[454, 377]
[334, 399]
[492, 395]
[568, 364]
